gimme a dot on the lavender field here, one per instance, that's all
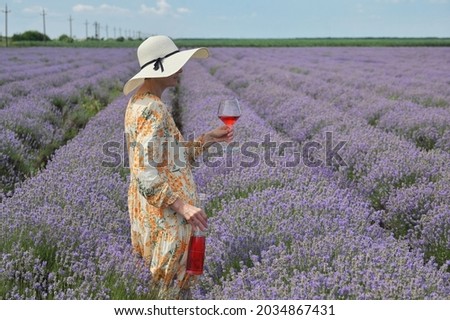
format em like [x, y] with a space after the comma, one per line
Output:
[47, 95]
[340, 191]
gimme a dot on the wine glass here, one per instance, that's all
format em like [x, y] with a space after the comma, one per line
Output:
[229, 112]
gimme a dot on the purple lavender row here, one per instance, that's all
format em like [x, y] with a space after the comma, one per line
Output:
[20, 63]
[387, 170]
[290, 94]
[64, 69]
[32, 85]
[285, 244]
[413, 73]
[35, 111]
[292, 233]
[23, 63]
[376, 161]
[412, 103]
[66, 230]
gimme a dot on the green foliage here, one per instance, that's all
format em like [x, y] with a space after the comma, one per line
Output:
[213, 70]
[65, 38]
[299, 71]
[424, 142]
[439, 252]
[30, 36]
[431, 102]
[241, 192]
[374, 119]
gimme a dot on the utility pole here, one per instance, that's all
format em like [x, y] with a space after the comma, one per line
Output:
[70, 21]
[6, 22]
[97, 28]
[43, 19]
[107, 34]
[86, 23]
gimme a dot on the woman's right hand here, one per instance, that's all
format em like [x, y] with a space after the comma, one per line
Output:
[196, 217]
[220, 134]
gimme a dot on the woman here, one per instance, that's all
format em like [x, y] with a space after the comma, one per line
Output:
[162, 198]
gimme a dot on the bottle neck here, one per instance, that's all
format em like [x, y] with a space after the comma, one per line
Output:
[198, 233]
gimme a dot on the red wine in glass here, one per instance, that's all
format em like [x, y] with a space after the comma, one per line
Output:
[229, 120]
[229, 111]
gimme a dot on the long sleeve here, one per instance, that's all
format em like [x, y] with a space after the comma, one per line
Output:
[195, 148]
[152, 171]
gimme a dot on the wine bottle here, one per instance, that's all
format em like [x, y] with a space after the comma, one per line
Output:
[196, 251]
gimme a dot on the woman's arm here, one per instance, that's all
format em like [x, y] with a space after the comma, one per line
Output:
[220, 134]
[150, 169]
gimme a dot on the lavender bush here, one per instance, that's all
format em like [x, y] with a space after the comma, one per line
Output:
[65, 232]
[47, 94]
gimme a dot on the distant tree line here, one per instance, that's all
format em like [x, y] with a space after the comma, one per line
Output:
[39, 36]
[30, 36]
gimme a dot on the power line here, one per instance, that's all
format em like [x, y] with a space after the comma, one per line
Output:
[6, 11]
[97, 28]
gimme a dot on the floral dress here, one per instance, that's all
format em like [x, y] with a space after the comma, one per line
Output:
[160, 172]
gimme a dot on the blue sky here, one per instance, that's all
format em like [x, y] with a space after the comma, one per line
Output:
[232, 18]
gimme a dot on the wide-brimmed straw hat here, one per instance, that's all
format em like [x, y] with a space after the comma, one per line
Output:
[159, 57]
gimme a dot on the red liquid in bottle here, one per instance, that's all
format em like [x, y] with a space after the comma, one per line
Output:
[196, 255]
[229, 120]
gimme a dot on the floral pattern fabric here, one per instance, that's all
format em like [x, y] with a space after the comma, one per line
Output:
[160, 172]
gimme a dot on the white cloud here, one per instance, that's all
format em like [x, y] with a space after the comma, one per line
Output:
[83, 8]
[103, 9]
[106, 8]
[183, 10]
[33, 9]
[163, 8]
